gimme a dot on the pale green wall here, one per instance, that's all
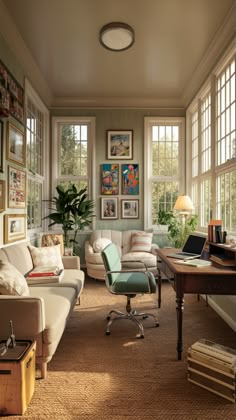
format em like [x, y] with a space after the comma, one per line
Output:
[112, 119]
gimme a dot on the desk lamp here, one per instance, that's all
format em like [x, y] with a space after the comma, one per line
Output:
[185, 205]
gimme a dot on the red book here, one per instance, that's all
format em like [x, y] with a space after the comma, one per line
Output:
[44, 271]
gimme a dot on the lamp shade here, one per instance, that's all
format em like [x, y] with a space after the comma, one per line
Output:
[183, 203]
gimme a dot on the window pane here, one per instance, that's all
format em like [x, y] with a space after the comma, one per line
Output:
[164, 196]
[73, 150]
[225, 97]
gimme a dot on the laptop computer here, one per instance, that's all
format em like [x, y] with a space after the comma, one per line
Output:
[192, 248]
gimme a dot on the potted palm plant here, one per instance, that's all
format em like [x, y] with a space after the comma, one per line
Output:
[179, 230]
[71, 209]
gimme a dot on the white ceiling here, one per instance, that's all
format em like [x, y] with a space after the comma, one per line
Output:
[172, 38]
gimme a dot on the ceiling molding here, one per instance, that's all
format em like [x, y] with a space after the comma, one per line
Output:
[116, 102]
[16, 43]
[220, 42]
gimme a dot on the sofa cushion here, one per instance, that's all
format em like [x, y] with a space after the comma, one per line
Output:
[100, 244]
[50, 255]
[12, 282]
[146, 257]
[58, 302]
[141, 242]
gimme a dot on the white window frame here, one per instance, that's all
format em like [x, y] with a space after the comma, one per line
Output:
[148, 179]
[214, 171]
[90, 121]
[44, 178]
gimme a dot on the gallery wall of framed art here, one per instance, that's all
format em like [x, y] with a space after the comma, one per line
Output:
[119, 181]
[13, 173]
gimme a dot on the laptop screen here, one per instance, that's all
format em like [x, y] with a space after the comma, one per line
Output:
[194, 244]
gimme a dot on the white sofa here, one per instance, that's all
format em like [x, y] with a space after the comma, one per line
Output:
[124, 240]
[41, 315]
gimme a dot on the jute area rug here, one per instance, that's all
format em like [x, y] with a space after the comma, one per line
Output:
[116, 377]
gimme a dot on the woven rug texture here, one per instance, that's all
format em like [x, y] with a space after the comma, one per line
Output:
[119, 377]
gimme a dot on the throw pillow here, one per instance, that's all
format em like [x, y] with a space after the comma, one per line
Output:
[141, 242]
[100, 244]
[12, 282]
[49, 255]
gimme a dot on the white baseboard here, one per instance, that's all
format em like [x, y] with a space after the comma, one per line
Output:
[231, 322]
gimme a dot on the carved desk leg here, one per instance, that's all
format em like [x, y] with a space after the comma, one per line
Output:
[179, 311]
[159, 283]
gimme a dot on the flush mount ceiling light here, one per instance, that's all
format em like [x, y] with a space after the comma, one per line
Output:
[116, 36]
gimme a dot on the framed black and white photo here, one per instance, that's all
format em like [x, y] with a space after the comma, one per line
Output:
[109, 208]
[130, 209]
[120, 144]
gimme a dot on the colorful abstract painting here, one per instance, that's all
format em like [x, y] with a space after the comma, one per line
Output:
[110, 179]
[130, 179]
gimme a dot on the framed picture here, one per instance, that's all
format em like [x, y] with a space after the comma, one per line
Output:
[14, 227]
[1, 146]
[110, 178]
[16, 188]
[120, 144]
[50, 239]
[2, 196]
[109, 208]
[130, 179]
[130, 209]
[15, 145]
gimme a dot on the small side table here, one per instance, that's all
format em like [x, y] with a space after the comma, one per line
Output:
[17, 377]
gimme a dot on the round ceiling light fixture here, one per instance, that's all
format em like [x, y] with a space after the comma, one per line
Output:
[116, 36]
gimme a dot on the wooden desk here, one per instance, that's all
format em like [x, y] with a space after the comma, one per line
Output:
[210, 280]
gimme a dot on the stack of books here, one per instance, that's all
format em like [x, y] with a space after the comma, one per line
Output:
[45, 274]
[215, 233]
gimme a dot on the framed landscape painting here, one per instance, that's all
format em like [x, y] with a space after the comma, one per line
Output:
[14, 227]
[110, 178]
[15, 145]
[130, 179]
[120, 144]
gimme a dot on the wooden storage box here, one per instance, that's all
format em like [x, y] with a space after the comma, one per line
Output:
[213, 367]
[17, 377]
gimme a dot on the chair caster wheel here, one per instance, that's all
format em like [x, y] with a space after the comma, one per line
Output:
[108, 333]
[145, 316]
[140, 336]
[157, 324]
[108, 318]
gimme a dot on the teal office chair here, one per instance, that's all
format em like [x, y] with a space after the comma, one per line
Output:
[128, 283]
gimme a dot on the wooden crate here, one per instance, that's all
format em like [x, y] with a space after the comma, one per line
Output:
[213, 367]
[17, 378]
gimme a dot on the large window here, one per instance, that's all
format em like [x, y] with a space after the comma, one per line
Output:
[36, 153]
[164, 146]
[213, 147]
[74, 151]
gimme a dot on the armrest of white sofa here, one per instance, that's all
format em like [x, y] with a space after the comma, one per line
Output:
[71, 262]
[88, 248]
[27, 314]
[153, 248]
